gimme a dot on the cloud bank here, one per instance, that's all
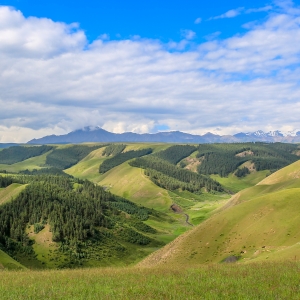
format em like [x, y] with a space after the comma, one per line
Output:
[54, 81]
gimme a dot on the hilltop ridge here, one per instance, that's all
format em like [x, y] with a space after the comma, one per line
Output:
[97, 134]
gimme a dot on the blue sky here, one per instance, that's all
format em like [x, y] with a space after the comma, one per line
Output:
[194, 66]
[154, 19]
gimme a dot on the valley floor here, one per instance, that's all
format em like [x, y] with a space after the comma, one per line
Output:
[278, 280]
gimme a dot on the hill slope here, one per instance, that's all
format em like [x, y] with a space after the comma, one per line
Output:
[261, 223]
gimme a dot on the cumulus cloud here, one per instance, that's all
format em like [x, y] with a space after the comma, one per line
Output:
[242, 83]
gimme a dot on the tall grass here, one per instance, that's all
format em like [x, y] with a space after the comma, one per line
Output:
[279, 280]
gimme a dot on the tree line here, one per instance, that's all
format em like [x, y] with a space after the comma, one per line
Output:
[165, 169]
[66, 157]
[16, 154]
[120, 158]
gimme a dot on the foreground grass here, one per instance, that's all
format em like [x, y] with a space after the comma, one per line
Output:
[254, 281]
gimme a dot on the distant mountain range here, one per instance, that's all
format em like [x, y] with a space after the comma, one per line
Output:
[97, 134]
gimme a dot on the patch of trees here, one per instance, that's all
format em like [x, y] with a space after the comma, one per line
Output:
[76, 216]
[16, 154]
[177, 176]
[131, 236]
[45, 171]
[242, 172]
[66, 157]
[222, 159]
[176, 153]
[5, 181]
[121, 158]
[113, 149]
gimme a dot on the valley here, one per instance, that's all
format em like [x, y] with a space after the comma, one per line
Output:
[157, 206]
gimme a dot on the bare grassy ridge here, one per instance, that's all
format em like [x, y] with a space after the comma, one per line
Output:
[257, 281]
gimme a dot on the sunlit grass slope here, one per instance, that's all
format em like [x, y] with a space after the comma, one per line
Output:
[8, 193]
[124, 180]
[6, 262]
[236, 184]
[261, 223]
[290, 172]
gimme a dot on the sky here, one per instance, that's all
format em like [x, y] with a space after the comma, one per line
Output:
[148, 66]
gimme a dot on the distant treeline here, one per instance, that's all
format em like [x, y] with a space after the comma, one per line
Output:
[175, 154]
[172, 177]
[5, 181]
[113, 149]
[45, 171]
[224, 159]
[66, 157]
[16, 154]
[121, 158]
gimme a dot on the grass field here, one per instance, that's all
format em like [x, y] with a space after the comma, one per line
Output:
[227, 281]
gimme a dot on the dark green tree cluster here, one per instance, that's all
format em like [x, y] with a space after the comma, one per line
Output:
[113, 149]
[172, 184]
[176, 153]
[66, 157]
[220, 163]
[74, 215]
[242, 172]
[45, 171]
[152, 162]
[6, 181]
[131, 236]
[16, 154]
[121, 158]
[37, 227]
[224, 159]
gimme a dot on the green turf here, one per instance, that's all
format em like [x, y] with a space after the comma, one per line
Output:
[6, 262]
[236, 184]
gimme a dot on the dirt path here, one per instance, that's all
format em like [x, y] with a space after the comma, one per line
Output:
[178, 210]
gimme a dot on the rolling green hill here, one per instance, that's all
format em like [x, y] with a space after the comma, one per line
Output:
[162, 183]
[259, 223]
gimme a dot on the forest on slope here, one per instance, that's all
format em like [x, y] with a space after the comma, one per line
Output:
[86, 222]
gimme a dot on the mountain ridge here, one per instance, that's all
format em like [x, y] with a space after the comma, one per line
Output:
[97, 134]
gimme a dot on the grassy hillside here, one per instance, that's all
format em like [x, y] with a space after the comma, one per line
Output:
[10, 192]
[259, 223]
[6, 262]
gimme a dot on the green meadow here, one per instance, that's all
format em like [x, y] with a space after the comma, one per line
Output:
[259, 281]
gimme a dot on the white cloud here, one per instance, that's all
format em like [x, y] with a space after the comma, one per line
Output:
[242, 83]
[188, 34]
[229, 14]
[198, 21]
[36, 37]
[256, 10]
